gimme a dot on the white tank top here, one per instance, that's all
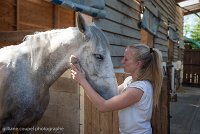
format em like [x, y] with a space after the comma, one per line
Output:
[136, 119]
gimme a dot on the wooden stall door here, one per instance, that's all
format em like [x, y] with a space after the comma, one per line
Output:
[101, 123]
[170, 51]
[191, 68]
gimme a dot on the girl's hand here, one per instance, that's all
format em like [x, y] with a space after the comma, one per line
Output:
[78, 75]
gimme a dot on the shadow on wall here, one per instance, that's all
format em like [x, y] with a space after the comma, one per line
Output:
[62, 114]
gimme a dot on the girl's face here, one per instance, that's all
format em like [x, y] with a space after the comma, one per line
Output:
[129, 61]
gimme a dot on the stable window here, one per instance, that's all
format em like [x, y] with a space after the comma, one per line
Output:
[172, 33]
[150, 18]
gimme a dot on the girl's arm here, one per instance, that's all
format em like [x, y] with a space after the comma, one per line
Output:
[123, 100]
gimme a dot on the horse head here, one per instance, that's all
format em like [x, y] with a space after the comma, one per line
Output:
[94, 58]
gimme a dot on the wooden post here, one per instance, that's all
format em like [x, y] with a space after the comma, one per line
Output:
[56, 17]
[147, 38]
[170, 50]
[160, 118]
[17, 14]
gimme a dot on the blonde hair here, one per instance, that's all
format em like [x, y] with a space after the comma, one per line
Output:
[151, 69]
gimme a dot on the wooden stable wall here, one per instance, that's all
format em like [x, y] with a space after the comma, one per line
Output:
[21, 17]
[170, 14]
[120, 26]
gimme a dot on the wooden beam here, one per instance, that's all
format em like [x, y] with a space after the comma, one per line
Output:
[14, 36]
[177, 1]
[195, 8]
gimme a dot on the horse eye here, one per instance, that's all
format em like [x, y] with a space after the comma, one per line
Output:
[99, 56]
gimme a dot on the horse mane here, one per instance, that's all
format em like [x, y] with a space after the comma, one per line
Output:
[50, 33]
[97, 34]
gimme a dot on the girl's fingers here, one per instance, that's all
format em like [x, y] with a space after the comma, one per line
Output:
[73, 67]
[73, 72]
[77, 74]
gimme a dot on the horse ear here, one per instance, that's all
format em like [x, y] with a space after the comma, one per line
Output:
[81, 23]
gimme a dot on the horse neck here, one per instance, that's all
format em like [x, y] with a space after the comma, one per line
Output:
[57, 61]
[50, 54]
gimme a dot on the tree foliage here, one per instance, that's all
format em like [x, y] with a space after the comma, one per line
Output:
[195, 33]
[192, 30]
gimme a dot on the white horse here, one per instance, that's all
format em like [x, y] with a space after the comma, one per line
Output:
[28, 70]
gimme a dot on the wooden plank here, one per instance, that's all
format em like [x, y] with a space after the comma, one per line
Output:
[106, 123]
[163, 6]
[87, 116]
[56, 16]
[160, 9]
[66, 17]
[115, 16]
[172, 9]
[120, 40]
[131, 3]
[17, 14]
[117, 61]
[195, 8]
[4, 44]
[162, 30]
[95, 121]
[162, 36]
[31, 26]
[36, 13]
[164, 52]
[151, 8]
[117, 50]
[7, 16]
[161, 42]
[117, 5]
[117, 28]
[14, 36]
[115, 127]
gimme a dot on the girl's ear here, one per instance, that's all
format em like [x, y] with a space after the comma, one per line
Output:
[140, 64]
